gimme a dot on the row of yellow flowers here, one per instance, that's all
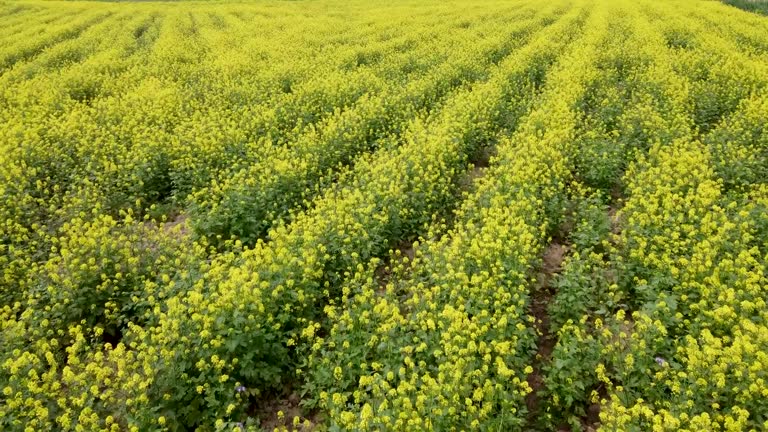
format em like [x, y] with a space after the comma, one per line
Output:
[694, 246]
[246, 204]
[243, 322]
[77, 354]
[689, 260]
[447, 343]
[651, 109]
[121, 117]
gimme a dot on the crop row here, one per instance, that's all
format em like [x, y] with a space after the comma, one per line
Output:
[187, 380]
[446, 342]
[634, 316]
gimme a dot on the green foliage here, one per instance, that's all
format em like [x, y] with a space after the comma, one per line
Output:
[758, 6]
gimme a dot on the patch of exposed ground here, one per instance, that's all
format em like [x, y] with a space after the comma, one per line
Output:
[177, 225]
[541, 298]
[277, 411]
[479, 164]
[403, 251]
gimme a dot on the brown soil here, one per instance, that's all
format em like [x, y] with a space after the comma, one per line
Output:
[383, 272]
[542, 296]
[479, 166]
[267, 411]
[177, 225]
[613, 216]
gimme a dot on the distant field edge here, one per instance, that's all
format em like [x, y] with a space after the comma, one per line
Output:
[756, 6]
